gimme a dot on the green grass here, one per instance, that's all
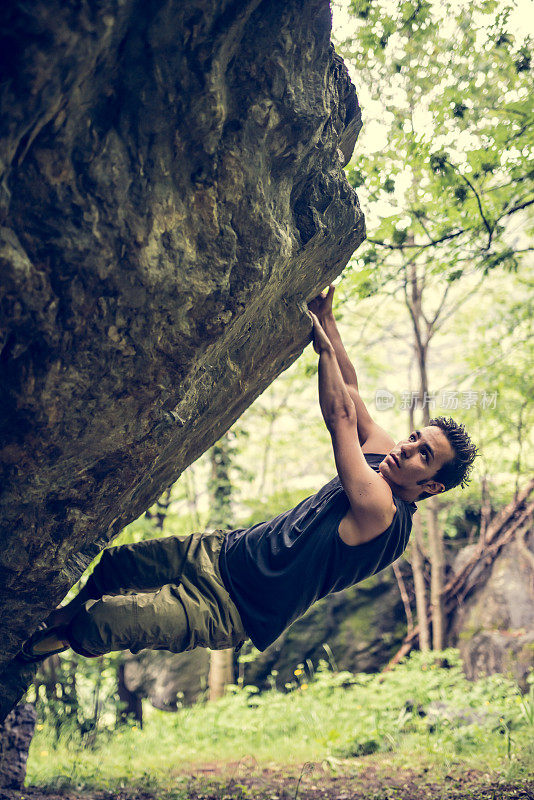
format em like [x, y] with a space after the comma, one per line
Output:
[419, 716]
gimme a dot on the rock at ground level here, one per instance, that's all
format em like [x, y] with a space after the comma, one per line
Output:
[494, 627]
[15, 737]
[168, 679]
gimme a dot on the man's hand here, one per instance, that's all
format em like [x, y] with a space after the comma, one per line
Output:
[322, 304]
[371, 436]
[320, 339]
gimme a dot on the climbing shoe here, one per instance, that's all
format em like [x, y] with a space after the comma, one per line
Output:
[31, 652]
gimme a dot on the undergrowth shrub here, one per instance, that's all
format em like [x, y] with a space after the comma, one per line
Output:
[424, 710]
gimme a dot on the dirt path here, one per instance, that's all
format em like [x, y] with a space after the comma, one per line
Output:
[309, 782]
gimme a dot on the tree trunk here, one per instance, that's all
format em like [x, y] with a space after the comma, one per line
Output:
[221, 672]
[419, 584]
[437, 561]
[404, 596]
[485, 509]
[417, 562]
[414, 297]
[159, 513]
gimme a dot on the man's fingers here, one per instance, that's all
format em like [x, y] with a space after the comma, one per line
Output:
[316, 324]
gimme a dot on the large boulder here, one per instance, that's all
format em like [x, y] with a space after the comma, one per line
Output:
[494, 627]
[172, 192]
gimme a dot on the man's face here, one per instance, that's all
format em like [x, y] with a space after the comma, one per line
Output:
[410, 466]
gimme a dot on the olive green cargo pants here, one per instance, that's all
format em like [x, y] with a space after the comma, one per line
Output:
[162, 594]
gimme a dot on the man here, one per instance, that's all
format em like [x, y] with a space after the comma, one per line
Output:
[216, 590]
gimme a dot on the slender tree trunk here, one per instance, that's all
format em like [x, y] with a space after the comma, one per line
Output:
[266, 453]
[404, 597]
[485, 510]
[520, 439]
[419, 584]
[221, 670]
[417, 563]
[191, 495]
[159, 514]
[96, 698]
[423, 330]
[437, 560]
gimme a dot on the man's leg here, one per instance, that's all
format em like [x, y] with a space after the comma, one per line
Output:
[140, 567]
[194, 611]
[157, 620]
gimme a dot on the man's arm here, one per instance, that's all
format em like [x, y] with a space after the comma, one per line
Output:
[373, 438]
[370, 498]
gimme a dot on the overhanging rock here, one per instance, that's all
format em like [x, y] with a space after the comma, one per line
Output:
[172, 193]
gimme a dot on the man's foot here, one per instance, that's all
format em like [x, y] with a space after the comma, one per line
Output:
[61, 616]
[44, 643]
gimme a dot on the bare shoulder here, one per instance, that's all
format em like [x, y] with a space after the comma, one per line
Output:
[366, 521]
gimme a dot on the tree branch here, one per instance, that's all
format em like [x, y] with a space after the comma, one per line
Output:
[418, 246]
[479, 202]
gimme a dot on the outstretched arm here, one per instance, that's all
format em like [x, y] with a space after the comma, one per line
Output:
[370, 499]
[372, 437]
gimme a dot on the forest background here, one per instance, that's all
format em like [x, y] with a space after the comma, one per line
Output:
[435, 308]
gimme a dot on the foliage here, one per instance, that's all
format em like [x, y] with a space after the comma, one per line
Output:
[422, 714]
[449, 88]
[76, 696]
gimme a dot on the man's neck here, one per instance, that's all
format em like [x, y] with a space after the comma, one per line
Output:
[408, 495]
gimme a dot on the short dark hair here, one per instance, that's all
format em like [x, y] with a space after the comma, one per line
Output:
[455, 472]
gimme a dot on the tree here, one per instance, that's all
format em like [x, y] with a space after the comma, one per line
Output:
[451, 88]
[220, 490]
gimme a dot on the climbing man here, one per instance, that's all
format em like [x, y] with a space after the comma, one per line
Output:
[218, 589]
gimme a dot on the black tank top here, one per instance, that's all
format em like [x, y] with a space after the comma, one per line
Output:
[276, 570]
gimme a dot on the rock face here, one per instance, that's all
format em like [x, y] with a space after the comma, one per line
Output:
[172, 193]
[16, 734]
[494, 627]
